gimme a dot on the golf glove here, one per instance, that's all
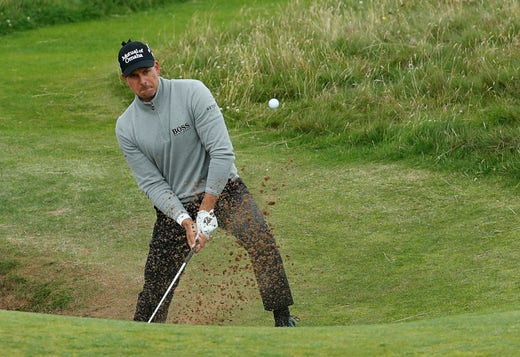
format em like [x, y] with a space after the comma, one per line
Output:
[206, 223]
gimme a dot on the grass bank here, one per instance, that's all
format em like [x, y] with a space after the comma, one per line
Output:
[371, 234]
[430, 82]
[481, 334]
[19, 15]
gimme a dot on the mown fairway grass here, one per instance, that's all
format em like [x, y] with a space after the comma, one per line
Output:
[397, 247]
[470, 335]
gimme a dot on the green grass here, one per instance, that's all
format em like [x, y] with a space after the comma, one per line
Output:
[17, 15]
[407, 80]
[479, 334]
[392, 164]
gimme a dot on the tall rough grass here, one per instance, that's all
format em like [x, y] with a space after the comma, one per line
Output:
[18, 15]
[434, 78]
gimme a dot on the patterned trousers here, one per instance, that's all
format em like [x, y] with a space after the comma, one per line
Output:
[239, 215]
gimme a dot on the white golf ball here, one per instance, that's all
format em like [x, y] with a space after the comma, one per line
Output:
[274, 103]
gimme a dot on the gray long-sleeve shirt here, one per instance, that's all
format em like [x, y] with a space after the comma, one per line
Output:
[177, 145]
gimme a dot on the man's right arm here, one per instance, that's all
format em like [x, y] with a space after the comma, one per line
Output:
[150, 180]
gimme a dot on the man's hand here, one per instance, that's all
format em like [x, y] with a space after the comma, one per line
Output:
[195, 241]
[194, 233]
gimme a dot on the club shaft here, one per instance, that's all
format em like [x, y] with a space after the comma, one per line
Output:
[188, 257]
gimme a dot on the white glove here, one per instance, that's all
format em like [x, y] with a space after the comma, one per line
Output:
[206, 223]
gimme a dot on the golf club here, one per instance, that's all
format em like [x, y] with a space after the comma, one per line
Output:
[186, 260]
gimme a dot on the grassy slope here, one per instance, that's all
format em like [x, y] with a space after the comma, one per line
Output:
[412, 244]
[493, 334]
[380, 80]
[63, 170]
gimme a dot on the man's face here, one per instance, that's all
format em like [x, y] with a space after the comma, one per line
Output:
[144, 82]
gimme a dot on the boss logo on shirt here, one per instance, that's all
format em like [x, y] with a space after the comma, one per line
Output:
[212, 106]
[181, 129]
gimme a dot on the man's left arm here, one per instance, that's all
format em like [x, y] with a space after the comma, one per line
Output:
[213, 133]
[212, 130]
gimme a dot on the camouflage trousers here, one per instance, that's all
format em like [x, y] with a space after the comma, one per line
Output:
[239, 215]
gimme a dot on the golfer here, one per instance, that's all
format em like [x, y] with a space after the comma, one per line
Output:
[174, 139]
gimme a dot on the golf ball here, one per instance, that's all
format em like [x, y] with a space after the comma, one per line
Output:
[274, 103]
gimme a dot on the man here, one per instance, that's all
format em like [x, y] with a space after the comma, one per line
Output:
[174, 138]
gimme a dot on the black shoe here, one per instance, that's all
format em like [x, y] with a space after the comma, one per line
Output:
[287, 322]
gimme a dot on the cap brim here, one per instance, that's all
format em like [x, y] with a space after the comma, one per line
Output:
[140, 64]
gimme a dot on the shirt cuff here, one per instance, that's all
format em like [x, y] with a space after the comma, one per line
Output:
[182, 217]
